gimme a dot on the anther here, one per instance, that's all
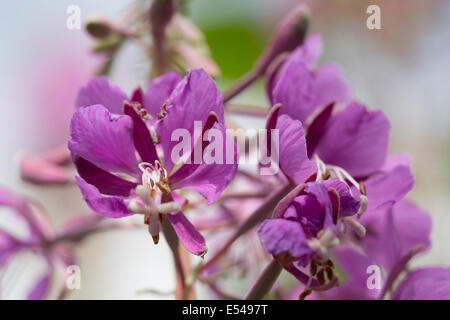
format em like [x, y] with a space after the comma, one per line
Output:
[155, 239]
[329, 263]
[203, 252]
[163, 111]
[362, 188]
[304, 294]
[330, 273]
[313, 267]
[321, 277]
[364, 204]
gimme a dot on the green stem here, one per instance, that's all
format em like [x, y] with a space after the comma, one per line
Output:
[265, 281]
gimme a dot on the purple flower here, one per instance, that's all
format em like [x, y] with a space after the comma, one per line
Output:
[342, 148]
[307, 227]
[431, 283]
[355, 179]
[50, 167]
[392, 236]
[350, 146]
[25, 241]
[301, 88]
[107, 134]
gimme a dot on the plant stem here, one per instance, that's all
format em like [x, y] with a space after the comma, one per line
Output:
[173, 242]
[242, 84]
[256, 217]
[247, 110]
[265, 281]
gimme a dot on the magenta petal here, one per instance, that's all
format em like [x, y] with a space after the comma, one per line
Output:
[41, 288]
[349, 206]
[386, 189]
[158, 91]
[309, 52]
[193, 99]
[318, 127]
[394, 232]
[356, 140]
[431, 283]
[293, 158]
[8, 247]
[104, 181]
[353, 264]
[191, 239]
[143, 141]
[137, 96]
[330, 86]
[105, 141]
[209, 179]
[301, 91]
[320, 192]
[395, 160]
[99, 91]
[190, 163]
[281, 235]
[307, 55]
[111, 207]
[309, 212]
[294, 91]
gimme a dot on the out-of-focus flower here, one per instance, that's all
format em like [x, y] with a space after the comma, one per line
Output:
[431, 283]
[394, 236]
[50, 167]
[106, 133]
[28, 240]
[187, 47]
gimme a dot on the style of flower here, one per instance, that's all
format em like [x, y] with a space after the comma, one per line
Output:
[107, 134]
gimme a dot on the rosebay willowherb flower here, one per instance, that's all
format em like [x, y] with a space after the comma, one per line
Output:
[35, 257]
[107, 133]
[394, 237]
[342, 158]
[324, 203]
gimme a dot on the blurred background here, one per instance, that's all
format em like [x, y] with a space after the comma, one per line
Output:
[402, 69]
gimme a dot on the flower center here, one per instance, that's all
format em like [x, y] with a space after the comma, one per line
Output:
[325, 171]
[155, 184]
[154, 178]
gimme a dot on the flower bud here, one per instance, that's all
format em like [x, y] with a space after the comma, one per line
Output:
[161, 12]
[98, 28]
[289, 34]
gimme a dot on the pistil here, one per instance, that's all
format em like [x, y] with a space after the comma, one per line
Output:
[148, 203]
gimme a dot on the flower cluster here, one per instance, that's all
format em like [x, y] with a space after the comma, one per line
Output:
[333, 214]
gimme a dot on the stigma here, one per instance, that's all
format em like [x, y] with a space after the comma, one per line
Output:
[154, 178]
